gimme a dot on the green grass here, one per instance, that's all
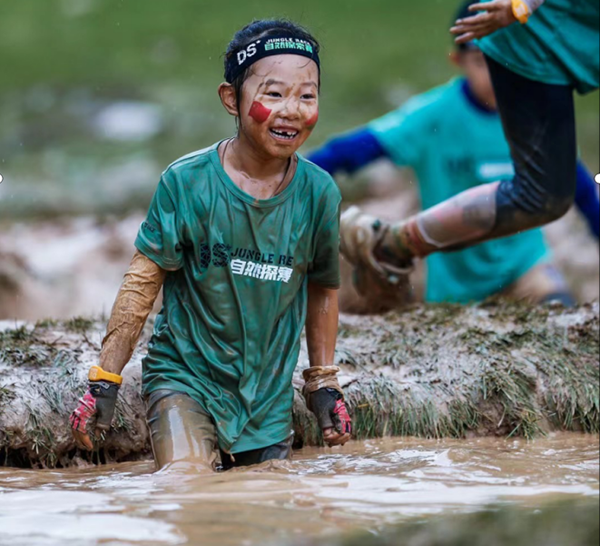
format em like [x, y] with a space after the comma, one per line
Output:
[54, 52]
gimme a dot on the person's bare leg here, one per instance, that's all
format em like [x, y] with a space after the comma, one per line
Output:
[539, 123]
[470, 216]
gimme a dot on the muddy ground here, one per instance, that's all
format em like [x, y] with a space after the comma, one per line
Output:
[430, 371]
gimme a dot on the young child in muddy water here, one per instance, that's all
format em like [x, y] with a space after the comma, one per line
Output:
[244, 237]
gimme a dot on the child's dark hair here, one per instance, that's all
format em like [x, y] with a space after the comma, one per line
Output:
[261, 29]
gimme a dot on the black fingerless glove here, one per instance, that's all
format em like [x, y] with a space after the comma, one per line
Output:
[105, 394]
[330, 410]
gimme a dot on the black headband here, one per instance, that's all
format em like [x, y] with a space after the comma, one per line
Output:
[267, 47]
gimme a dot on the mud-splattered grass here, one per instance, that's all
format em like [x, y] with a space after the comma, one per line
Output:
[431, 371]
[450, 371]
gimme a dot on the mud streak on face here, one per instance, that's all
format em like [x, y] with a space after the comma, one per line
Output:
[259, 113]
[312, 122]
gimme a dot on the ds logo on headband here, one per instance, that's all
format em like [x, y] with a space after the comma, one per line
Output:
[247, 53]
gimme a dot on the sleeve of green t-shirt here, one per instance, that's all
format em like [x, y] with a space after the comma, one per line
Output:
[159, 237]
[325, 267]
[402, 133]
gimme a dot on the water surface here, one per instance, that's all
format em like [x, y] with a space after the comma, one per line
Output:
[364, 485]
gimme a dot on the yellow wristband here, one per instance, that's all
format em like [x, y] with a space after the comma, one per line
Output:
[521, 11]
[98, 374]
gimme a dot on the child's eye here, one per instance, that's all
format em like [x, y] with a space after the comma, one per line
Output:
[274, 94]
[308, 96]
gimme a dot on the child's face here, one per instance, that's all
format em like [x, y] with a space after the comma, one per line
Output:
[280, 104]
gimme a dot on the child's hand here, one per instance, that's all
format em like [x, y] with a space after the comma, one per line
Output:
[98, 404]
[496, 15]
[330, 409]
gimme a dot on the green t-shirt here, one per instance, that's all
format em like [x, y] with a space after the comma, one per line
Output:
[235, 296]
[559, 45]
[453, 145]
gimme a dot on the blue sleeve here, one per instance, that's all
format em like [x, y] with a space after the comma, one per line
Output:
[587, 199]
[348, 153]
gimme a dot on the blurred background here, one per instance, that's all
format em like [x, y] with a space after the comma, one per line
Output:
[97, 97]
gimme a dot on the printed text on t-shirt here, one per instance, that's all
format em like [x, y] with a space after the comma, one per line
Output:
[248, 263]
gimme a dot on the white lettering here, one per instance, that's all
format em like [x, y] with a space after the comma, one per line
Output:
[249, 269]
[258, 271]
[271, 272]
[285, 274]
[238, 266]
[264, 272]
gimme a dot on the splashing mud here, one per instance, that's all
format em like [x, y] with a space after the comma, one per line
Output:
[321, 493]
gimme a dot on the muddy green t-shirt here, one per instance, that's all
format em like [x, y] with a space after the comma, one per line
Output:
[559, 44]
[235, 296]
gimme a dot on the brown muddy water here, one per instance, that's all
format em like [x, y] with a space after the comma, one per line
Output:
[365, 485]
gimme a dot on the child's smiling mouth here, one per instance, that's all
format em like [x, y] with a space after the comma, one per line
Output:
[286, 134]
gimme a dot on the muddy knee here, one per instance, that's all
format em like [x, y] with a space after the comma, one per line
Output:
[180, 430]
[557, 208]
[524, 205]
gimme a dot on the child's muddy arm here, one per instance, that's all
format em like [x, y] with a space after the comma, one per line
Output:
[322, 325]
[140, 288]
[322, 391]
[94, 413]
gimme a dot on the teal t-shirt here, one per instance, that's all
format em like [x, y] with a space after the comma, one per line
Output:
[453, 145]
[559, 45]
[235, 296]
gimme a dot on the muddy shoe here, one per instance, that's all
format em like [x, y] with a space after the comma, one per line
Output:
[360, 234]
[378, 276]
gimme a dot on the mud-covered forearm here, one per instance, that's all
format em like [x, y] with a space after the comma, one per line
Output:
[321, 337]
[322, 324]
[141, 286]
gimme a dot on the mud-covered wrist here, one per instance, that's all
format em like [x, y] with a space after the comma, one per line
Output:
[321, 377]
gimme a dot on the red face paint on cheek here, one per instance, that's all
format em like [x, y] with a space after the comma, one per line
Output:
[259, 113]
[312, 122]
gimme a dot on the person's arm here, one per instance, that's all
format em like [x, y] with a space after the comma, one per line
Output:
[141, 285]
[349, 152]
[138, 293]
[322, 391]
[587, 200]
[495, 15]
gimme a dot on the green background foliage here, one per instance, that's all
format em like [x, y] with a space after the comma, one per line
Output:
[61, 60]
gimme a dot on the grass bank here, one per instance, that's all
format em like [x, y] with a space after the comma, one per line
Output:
[432, 371]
